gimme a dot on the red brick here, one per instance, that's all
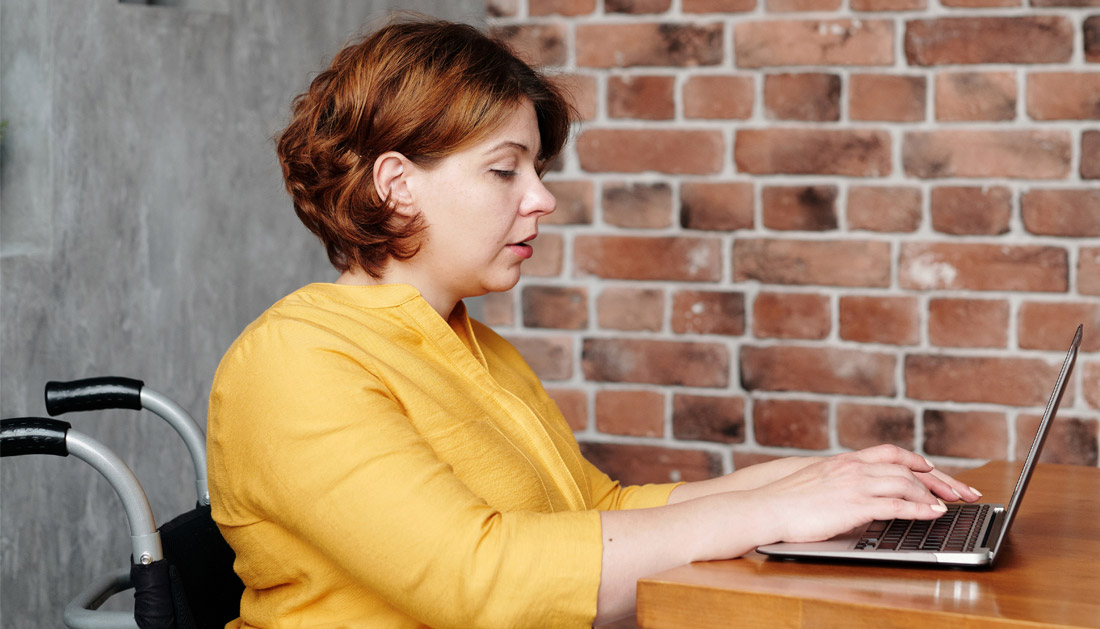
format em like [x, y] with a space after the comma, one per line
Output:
[885, 97]
[718, 96]
[637, 205]
[824, 262]
[547, 258]
[861, 426]
[1050, 325]
[971, 96]
[963, 210]
[690, 364]
[1071, 440]
[791, 316]
[672, 151]
[648, 44]
[966, 40]
[800, 208]
[575, 202]
[817, 370]
[498, 309]
[1091, 30]
[501, 8]
[639, 465]
[966, 434]
[941, 266]
[708, 418]
[1063, 95]
[551, 357]
[582, 92]
[741, 460]
[641, 97]
[573, 404]
[717, 6]
[1090, 376]
[884, 208]
[560, 7]
[810, 96]
[538, 44]
[631, 309]
[662, 258]
[635, 413]
[888, 5]
[725, 206]
[768, 43]
[1088, 271]
[708, 312]
[1090, 154]
[968, 322]
[889, 320]
[789, 6]
[636, 6]
[555, 307]
[966, 153]
[854, 152]
[1060, 212]
[981, 4]
[1065, 3]
[791, 424]
[1012, 381]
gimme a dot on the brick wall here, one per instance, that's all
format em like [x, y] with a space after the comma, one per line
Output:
[804, 226]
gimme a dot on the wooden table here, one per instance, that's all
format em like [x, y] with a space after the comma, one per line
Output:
[1028, 587]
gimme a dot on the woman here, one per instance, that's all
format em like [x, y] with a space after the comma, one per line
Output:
[377, 458]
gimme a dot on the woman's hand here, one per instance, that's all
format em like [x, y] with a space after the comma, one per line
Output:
[834, 495]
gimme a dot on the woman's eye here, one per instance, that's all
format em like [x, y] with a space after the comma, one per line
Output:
[504, 174]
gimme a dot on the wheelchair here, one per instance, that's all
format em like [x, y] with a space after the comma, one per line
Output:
[182, 573]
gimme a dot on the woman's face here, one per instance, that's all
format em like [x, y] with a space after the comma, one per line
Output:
[481, 208]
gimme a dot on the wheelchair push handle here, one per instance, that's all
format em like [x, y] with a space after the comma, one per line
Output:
[41, 435]
[93, 394]
[107, 392]
[34, 435]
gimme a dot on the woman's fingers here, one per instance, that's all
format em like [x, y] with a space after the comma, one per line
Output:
[947, 487]
[940, 484]
[887, 453]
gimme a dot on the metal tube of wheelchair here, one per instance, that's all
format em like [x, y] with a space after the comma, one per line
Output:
[193, 436]
[144, 538]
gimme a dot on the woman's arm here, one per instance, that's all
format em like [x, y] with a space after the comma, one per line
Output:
[761, 474]
[730, 516]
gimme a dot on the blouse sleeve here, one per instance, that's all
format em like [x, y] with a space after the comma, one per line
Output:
[610, 495]
[309, 441]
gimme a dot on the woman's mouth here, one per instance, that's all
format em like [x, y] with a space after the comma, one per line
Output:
[522, 250]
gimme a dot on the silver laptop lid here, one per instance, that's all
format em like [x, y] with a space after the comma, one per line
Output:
[1040, 437]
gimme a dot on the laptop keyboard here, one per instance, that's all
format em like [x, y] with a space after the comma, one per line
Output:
[957, 530]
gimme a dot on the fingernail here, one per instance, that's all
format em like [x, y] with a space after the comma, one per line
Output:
[956, 492]
[930, 464]
[940, 508]
[976, 491]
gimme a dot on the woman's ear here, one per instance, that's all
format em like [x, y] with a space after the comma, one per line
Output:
[390, 170]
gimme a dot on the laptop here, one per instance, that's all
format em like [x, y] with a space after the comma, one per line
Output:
[967, 535]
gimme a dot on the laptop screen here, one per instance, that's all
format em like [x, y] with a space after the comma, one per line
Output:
[1040, 436]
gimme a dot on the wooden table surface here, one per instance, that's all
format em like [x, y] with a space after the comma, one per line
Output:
[1056, 585]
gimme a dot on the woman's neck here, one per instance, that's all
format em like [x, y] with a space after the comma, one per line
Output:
[359, 277]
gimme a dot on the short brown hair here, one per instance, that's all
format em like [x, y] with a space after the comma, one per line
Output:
[419, 86]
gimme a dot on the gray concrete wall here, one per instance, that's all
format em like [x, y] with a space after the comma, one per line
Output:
[144, 224]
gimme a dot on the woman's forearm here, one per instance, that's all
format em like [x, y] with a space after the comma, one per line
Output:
[640, 542]
[748, 478]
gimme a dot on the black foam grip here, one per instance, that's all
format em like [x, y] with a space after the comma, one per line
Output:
[33, 435]
[93, 394]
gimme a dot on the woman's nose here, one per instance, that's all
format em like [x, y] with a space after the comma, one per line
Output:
[538, 200]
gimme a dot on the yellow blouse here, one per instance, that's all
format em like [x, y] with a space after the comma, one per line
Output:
[374, 465]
